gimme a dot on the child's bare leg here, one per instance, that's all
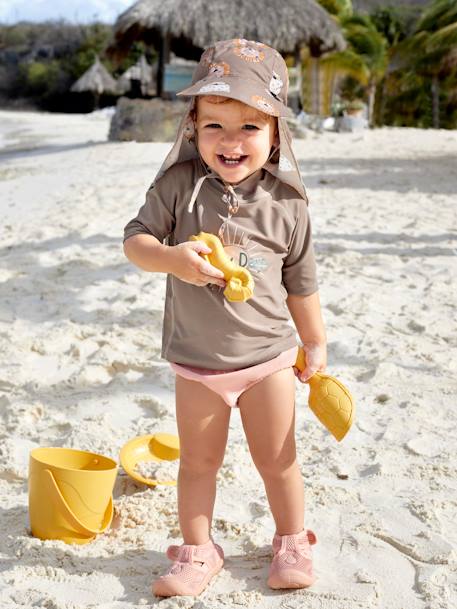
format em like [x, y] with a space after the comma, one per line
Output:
[203, 421]
[268, 416]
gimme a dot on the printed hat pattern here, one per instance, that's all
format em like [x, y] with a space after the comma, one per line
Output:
[250, 72]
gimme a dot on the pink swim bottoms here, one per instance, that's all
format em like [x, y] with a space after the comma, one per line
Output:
[231, 384]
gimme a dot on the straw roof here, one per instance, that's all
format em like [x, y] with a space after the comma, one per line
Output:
[195, 25]
[141, 71]
[96, 79]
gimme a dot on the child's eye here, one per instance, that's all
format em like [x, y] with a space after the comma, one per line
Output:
[212, 126]
[250, 127]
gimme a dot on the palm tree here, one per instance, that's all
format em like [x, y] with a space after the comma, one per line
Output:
[431, 51]
[366, 57]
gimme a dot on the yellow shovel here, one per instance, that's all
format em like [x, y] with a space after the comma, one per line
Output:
[329, 399]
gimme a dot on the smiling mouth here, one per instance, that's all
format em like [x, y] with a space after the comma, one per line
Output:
[231, 161]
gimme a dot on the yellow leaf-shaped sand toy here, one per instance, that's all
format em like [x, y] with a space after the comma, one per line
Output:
[143, 449]
[329, 399]
[240, 284]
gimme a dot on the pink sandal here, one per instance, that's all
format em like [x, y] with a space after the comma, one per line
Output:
[192, 569]
[292, 565]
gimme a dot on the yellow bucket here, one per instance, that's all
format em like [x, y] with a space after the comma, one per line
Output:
[70, 494]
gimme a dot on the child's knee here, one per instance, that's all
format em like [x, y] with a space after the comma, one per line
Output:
[275, 466]
[198, 464]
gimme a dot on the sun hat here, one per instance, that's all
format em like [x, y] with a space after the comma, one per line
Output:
[248, 71]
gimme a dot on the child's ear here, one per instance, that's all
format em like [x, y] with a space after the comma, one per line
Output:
[276, 135]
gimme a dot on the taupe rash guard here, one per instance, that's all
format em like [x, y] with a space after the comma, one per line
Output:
[270, 235]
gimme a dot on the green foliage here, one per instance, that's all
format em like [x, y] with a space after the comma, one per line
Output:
[391, 23]
[426, 69]
[364, 62]
[351, 63]
[40, 62]
[434, 37]
[437, 16]
[366, 42]
[351, 89]
[421, 84]
[39, 76]
[339, 8]
[42, 80]
[137, 49]
[11, 36]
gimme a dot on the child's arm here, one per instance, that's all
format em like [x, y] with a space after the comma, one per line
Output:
[307, 317]
[183, 260]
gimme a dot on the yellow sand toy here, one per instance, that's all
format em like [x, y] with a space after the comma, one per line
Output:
[329, 399]
[70, 494]
[157, 447]
[240, 284]
[70, 491]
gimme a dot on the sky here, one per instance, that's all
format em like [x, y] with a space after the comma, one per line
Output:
[75, 11]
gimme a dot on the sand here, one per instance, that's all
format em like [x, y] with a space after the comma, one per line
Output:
[80, 333]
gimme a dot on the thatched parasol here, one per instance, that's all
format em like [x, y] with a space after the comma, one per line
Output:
[199, 23]
[96, 79]
[141, 72]
[186, 28]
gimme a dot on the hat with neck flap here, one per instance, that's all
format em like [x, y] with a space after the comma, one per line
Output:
[252, 73]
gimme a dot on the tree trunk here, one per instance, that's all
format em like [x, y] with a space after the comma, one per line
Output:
[333, 81]
[382, 103]
[298, 65]
[435, 102]
[371, 100]
[164, 58]
[315, 86]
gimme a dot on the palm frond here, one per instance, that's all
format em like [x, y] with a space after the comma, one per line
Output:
[348, 62]
[442, 38]
[438, 15]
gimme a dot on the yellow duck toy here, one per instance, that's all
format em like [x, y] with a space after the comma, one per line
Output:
[240, 284]
[329, 399]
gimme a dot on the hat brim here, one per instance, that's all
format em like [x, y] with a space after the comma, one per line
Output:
[243, 90]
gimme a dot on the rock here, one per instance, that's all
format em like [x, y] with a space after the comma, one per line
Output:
[350, 123]
[141, 120]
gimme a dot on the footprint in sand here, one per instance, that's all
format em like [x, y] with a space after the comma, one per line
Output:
[335, 309]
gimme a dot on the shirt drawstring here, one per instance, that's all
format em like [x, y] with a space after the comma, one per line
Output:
[196, 190]
[229, 197]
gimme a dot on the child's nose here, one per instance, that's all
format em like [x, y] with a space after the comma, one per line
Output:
[231, 139]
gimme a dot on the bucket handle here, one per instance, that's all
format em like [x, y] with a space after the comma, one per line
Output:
[63, 506]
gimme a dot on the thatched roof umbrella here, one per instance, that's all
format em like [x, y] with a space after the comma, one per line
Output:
[186, 28]
[96, 79]
[142, 72]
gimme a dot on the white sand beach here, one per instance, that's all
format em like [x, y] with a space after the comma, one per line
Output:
[80, 335]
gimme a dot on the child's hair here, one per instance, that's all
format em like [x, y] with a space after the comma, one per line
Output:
[246, 110]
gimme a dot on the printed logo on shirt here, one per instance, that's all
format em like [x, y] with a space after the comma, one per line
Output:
[241, 249]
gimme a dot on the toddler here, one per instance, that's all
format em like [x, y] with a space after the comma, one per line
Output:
[232, 172]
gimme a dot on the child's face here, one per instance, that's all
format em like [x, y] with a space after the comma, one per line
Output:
[234, 139]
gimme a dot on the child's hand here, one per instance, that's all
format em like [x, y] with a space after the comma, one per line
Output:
[188, 266]
[315, 358]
